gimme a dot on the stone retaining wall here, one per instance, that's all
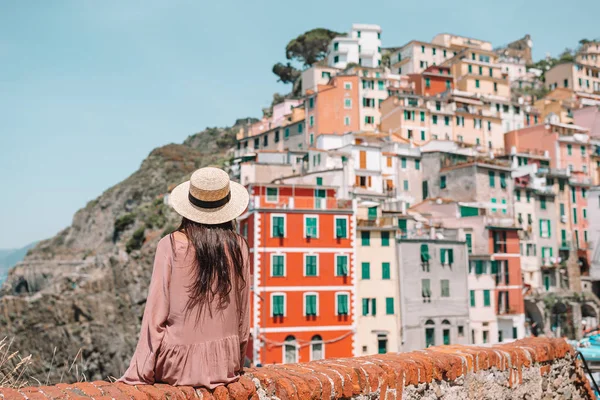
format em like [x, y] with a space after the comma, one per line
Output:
[536, 368]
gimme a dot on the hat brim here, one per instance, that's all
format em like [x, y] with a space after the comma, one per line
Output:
[179, 200]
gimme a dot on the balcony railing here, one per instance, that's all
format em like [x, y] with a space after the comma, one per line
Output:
[299, 203]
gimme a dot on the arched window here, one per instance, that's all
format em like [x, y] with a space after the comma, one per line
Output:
[429, 333]
[317, 348]
[446, 331]
[290, 350]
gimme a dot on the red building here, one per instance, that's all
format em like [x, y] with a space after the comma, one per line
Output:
[434, 80]
[301, 245]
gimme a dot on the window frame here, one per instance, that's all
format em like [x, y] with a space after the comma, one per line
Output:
[316, 255]
[335, 219]
[272, 256]
[273, 216]
[267, 195]
[347, 294]
[272, 295]
[304, 233]
[336, 257]
[304, 295]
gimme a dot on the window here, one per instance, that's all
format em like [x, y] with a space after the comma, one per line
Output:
[369, 120]
[575, 215]
[492, 178]
[342, 303]
[583, 193]
[277, 305]
[569, 149]
[286, 133]
[365, 270]
[470, 68]
[347, 85]
[425, 257]
[310, 305]
[311, 121]
[347, 103]
[476, 83]
[341, 231]
[446, 120]
[582, 148]
[480, 70]
[443, 182]
[584, 212]
[311, 102]
[346, 121]
[528, 196]
[469, 240]
[317, 348]
[311, 227]
[494, 202]
[389, 305]
[417, 164]
[448, 83]
[446, 331]
[403, 162]
[425, 189]
[499, 238]
[358, 33]
[290, 350]
[447, 256]
[502, 180]
[365, 237]
[381, 85]
[426, 290]
[545, 228]
[573, 195]
[385, 270]
[495, 86]
[266, 140]
[410, 134]
[472, 297]
[372, 213]
[427, 82]
[341, 268]
[486, 298]
[277, 226]
[518, 195]
[272, 195]
[277, 136]
[310, 265]
[385, 239]
[277, 265]
[542, 202]
[486, 335]
[423, 49]
[445, 284]
[429, 333]
[434, 119]
[300, 127]
[405, 185]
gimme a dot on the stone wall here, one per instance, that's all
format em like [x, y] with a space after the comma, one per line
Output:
[535, 368]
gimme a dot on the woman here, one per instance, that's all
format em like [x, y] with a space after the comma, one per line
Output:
[196, 322]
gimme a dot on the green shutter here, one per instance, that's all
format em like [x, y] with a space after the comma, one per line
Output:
[342, 266]
[425, 288]
[365, 307]
[278, 267]
[486, 298]
[278, 228]
[469, 211]
[372, 213]
[469, 240]
[494, 269]
[342, 304]
[366, 270]
[402, 225]
[562, 209]
[443, 182]
[373, 306]
[278, 306]
[574, 215]
[549, 228]
[502, 180]
[340, 228]
[472, 297]
[389, 305]
[492, 178]
[450, 256]
[310, 268]
[425, 257]
[311, 304]
[418, 163]
[385, 239]
[311, 227]
[365, 238]
[385, 270]
[478, 267]
[403, 162]
[443, 256]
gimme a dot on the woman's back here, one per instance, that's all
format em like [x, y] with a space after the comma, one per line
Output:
[182, 346]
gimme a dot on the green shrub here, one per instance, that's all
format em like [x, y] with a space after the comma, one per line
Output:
[122, 223]
[136, 241]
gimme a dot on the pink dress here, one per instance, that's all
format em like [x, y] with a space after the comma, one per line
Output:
[182, 351]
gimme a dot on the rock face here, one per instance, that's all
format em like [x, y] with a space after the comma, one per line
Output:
[77, 299]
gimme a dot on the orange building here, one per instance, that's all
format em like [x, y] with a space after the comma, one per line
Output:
[434, 80]
[333, 108]
[301, 242]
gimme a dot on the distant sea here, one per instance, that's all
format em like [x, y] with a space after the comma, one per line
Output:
[9, 257]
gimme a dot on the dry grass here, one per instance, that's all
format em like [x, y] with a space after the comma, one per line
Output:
[13, 366]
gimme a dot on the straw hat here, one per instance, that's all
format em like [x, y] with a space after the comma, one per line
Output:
[209, 197]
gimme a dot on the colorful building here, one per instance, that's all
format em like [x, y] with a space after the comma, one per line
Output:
[301, 242]
[432, 81]
[362, 46]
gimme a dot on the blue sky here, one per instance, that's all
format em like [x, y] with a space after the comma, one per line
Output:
[89, 88]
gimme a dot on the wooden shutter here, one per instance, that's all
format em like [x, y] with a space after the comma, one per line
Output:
[363, 159]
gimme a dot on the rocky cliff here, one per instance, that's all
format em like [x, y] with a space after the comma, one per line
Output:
[76, 301]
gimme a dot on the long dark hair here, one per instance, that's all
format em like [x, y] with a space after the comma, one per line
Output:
[218, 264]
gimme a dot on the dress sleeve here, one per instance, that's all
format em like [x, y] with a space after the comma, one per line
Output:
[244, 321]
[141, 368]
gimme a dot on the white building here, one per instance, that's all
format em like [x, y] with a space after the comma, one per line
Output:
[361, 46]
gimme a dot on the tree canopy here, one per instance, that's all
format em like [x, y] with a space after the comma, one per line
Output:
[306, 49]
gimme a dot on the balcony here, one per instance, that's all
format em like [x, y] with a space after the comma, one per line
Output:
[375, 223]
[299, 203]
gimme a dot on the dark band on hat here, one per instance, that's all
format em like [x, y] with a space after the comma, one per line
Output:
[209, 204]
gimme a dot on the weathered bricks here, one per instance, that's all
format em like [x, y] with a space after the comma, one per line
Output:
[378, 376]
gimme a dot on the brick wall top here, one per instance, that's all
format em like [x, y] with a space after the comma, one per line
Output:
[378, 376]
